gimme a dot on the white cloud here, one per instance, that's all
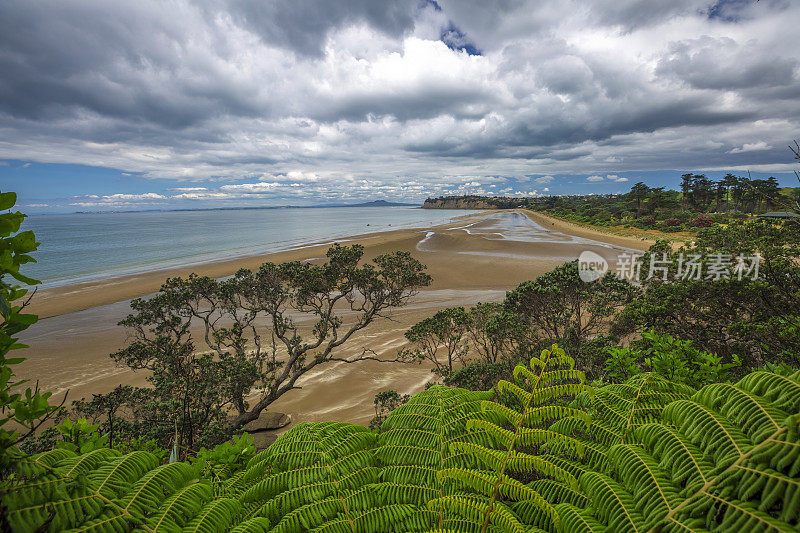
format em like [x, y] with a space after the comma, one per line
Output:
[594, 178]
[118, 200]
[314, 99]
[751, 147]
[248, 188]
[144, 196]
[203, 196]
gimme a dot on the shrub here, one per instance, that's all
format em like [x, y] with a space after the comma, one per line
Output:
[22, 411]
[701, 221]
[674, 359]
[621, 364]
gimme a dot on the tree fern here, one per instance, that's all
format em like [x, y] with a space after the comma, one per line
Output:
[616, 410]
[105, 491]
[486, 495]
[414, 446]
[726, 459]
[542, 454]
[316, 474]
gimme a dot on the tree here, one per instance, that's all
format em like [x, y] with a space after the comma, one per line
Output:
[497, 334]
[560, 307]
[738, 191]
[754, 319]
[796, 153]
[726, 184]
[472, 349]
[259, 332]
[444, 331]
[687, 187]
[659, 199]
[27, 409]
[703, 192]
[639, 192]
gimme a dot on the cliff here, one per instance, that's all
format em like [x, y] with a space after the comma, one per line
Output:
[458, 202]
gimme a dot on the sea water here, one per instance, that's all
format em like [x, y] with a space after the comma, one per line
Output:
[87, 246]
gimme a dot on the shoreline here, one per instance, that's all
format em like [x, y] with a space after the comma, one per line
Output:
[476, 258]
[80, 296]
[636, 238]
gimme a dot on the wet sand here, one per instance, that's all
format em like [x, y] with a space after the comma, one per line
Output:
[610, 235]
[477, 258]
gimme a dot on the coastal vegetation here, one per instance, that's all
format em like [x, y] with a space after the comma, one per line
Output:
[701, 202]
[545, 452]
[671, 404]
[237, 345]
[680, 326]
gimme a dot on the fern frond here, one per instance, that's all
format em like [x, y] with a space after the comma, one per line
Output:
[216, 515]
[726, 459]
[516, 436]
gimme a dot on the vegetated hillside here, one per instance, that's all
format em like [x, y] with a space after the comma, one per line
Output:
[467, 202]
[701, 202]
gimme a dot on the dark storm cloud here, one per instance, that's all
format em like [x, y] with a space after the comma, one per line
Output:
[114, 59]
[636, 14]
[303, 25]
[398, 87]
[709, 63]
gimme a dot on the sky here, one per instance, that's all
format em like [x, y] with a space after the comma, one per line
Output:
[139, 104]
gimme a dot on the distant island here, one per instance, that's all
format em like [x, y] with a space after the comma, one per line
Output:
[373, 203]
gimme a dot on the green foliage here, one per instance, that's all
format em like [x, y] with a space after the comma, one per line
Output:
[754, 319]
[385, 402]
[105, 491]
[642, 455]
[621, 363]
[560, 307]
[317, 475]
[680, 362]
[726, 459]
[80, 436]
[674, 359]
[223, 463]
[444, 331]
[487, 494]
[260, 331]
[418, 443]
[479, 375]
[29, 408]
[472, 348]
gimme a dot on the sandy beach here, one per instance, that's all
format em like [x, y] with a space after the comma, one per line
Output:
[476, 258]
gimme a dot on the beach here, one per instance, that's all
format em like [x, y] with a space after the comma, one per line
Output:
[477, 257]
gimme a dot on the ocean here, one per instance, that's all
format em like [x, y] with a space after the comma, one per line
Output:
[82, 247]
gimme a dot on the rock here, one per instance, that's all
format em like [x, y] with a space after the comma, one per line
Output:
[266, 421]
[263, 439]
